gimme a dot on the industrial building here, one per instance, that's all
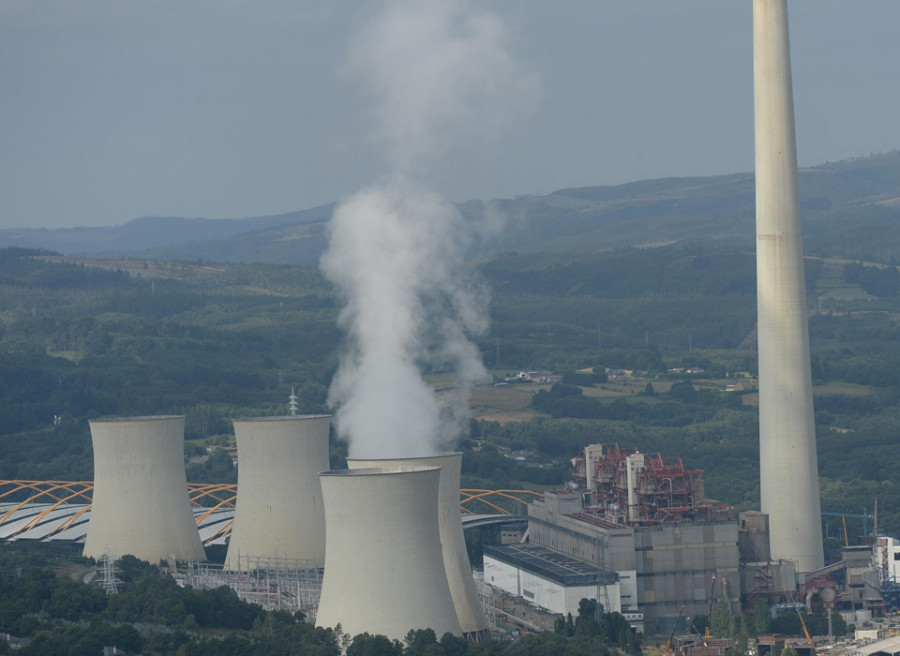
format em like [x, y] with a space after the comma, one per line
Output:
[472, 620]
[140, 501]
[279, 512]
[645, 519]
[384, 567]
[548, 579]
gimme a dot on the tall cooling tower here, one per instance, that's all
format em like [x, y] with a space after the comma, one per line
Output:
[279, 510]
[471, 618]
[141, 505]
[384, 570]
[788, 469]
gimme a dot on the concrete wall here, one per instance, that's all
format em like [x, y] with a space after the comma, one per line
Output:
[567, 535]
[279, 511]
[141, 505]
[676, 564]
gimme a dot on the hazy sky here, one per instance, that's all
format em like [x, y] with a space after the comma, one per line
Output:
[115, 109]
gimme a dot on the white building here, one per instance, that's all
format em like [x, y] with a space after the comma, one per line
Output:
[887, 556]
[140, 504]
[384, 569]
[279, 511]
[549, 580]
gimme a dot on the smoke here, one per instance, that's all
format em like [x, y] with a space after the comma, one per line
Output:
[439, 80]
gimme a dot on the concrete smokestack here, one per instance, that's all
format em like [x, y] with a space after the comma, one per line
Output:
[789, 479]
[141, 504]
[384, 569]
[279, 511]
[471, 618]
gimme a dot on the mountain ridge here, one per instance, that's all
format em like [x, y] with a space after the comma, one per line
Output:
[636, 214]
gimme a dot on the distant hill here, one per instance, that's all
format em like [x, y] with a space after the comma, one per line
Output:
[154, 232]
[851, 209]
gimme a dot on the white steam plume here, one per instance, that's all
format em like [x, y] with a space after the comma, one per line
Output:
[439, 78]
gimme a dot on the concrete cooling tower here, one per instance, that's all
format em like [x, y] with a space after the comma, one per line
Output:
[788, 469]
[471, 618]
[279, 511]
[384, 570]
[141, 505]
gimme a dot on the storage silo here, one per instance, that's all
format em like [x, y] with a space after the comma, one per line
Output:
[141, 505]
[471, 618]
[279, 511]
[384, 570]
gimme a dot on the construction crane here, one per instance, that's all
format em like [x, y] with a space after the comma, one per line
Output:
[672, 635]
[705, 636]
[809, 639]
[712, 588]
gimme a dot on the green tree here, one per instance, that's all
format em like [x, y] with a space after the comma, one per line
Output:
[761, 618]
[722, 621]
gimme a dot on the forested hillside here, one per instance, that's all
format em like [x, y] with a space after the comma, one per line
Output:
[850, 208]
[218, 341]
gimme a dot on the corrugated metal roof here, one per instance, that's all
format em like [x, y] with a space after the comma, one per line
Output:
[69, 522]
[551, 565]
[888, 646]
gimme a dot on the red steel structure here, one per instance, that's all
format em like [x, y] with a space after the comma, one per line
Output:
[646, 488]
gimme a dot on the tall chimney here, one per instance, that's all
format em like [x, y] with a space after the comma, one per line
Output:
[789, 479]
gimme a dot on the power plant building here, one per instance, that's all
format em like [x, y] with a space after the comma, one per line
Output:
[789, 479]
[384, 567]
[549, 580]
[279, 512]
[140, 501]
[646, 519]
[472, 620]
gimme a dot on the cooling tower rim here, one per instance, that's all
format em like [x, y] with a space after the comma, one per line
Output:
[247, 420]
[376, 471]
[446, 454]
[109, 420]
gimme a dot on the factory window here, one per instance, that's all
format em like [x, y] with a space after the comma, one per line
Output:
[897, 555]
[528, 593]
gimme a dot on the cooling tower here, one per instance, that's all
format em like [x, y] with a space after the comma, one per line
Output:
[141, 505]
[279, 510]
[471, 618]
[789, 481]
[384, 571]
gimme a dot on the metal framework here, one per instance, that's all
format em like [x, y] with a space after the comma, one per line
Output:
[16, 495]
[287, 584]
[647, 488]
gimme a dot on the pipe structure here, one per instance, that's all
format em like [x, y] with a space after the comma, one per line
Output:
[789, 479]
[279, 513]
[384, 569]
[471, 618]
[141, 505]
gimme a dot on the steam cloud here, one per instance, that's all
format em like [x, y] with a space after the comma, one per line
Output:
[439, 78]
